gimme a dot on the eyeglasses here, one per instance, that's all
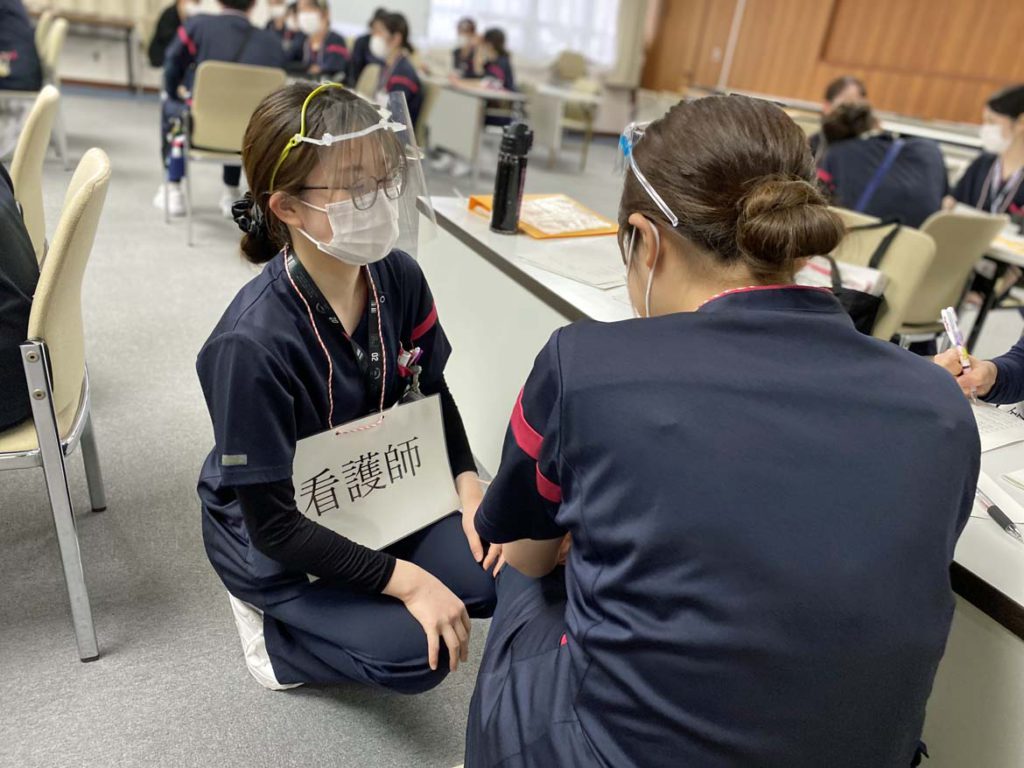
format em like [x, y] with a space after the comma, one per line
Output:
[364, 191]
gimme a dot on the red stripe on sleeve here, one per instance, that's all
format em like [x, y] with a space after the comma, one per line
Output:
[564, 640]
[497, 71]
[824, 175]
[335, 48]
[421, 329]
[412, 85]
[189, 43]
[526, 437]
[549, 490]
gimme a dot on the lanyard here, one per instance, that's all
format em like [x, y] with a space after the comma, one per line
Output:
[373, 366]
[385, 75]
[1001, 197]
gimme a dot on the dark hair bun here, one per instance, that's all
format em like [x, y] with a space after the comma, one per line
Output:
[782, 220]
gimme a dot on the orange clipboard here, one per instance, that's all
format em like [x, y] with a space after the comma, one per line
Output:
[536, 225]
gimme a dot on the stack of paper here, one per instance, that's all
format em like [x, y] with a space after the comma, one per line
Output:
[996, 427]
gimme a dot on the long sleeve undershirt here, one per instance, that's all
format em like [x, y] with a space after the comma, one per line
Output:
[1009, 386]
[278, 530]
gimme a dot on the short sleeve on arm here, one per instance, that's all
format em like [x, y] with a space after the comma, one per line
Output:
[423, 327]
[247, 392]
[526, 492]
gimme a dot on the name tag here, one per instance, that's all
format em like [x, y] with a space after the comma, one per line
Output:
[374, 480]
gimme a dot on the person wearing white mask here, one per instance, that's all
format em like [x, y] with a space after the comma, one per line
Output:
[319, 51]
[282, 22]
[324, 335]
[994, 181]
[398, 74]
[736, 527]
[464, 55]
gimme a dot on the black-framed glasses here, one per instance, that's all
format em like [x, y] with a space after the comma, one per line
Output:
[364, 191]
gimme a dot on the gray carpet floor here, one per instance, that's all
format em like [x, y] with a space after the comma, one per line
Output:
[171, 688]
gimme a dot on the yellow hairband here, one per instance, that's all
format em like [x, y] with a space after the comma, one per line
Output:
[295, 140]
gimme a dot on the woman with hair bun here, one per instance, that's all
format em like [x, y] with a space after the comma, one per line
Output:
[756, 504]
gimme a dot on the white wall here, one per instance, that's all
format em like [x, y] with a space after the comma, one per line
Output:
[351, 15]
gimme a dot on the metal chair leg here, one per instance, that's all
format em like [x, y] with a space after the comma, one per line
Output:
[37, 375]
[588, 136]
[93, 474]
[60, 137]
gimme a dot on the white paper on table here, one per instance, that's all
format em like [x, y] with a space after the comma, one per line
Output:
[996, 427]
[376, 483]
[582, 265]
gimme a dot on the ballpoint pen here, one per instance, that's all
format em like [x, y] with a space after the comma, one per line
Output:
[999, 516]
[956, 338]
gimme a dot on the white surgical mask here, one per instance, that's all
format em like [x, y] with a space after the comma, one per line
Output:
[465, 41]
[191, 9]
[650, 273]
[359, 237]
[291, 24]
[992, 139]
[277, 12]
[309, 22]
[379, 47]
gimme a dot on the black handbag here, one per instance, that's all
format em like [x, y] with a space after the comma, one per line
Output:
[863, 307]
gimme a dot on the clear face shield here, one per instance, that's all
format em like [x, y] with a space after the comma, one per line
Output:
[362, 193]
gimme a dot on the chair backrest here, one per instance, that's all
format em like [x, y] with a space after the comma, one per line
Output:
[960, 240]
[430, 92]
[224, 97]
[569, 66]
[56, 315]
[583, 111]
[366, 85]
[905, 264]
[43, 28]
[52, 49]
[27, 165]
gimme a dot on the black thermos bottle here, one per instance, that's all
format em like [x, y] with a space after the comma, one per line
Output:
[516, 141]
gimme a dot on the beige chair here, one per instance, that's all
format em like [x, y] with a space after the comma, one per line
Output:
[366, 85]
[49, 55]
[27, 165]
[905, 264]
[430, 92]
[569, 67]
[224, 96]
[58, 383]
[43, 28]
[580, 115]
[961, 239]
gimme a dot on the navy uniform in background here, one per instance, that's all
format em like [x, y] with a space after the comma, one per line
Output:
[228, 36]
[330, 59]
[20, 69]
[464, 62]
[402, 76]
[989, 183]
[753, 580]
[910, 189]
[19, 274]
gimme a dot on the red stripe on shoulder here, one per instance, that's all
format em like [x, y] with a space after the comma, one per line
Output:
[412, 85]
[526, 437]
[430, 321]
[824, 176]
[549, 490]
[188, 41]
[335, 48]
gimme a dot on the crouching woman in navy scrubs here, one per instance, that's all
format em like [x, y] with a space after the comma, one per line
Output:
[762, 502]
[292, 357]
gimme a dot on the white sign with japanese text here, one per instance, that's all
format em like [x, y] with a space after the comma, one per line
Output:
[377, 483]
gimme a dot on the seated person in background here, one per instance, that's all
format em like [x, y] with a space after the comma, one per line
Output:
[392, 46]
[228, 36]
[20, 69]
[318, 51]
[361, 55]
[172, 17]
[994, 181]
[464, 56]
[840, 91]
[999, 381]
[283, 22]
[496, 62]
[730, 596]
[19, 274]
[869, 170]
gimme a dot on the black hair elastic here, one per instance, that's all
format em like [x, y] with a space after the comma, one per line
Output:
[248, 216]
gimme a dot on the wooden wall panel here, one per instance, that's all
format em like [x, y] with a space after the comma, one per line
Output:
[936, 59]
[671, 60]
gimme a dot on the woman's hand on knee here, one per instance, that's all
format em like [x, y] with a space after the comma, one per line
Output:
[441, 614]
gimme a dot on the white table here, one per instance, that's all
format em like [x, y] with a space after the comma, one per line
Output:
[499, 311]
[456, 122]
[547, 112]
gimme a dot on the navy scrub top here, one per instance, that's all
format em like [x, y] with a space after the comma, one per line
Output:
[763, 505]
[969, 190]
[264, 374]
[403, 77]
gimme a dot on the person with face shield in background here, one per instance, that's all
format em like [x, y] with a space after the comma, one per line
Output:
[321, 337]
[994, 181]
[728, 596]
